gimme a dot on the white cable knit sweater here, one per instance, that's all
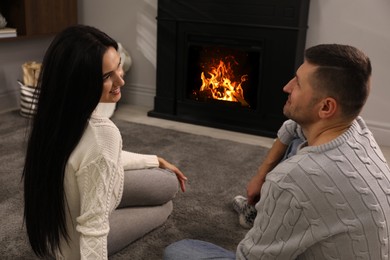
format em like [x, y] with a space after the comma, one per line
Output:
[327, 202]
[93, 186]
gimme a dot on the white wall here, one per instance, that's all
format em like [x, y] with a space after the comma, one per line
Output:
[133, 24]
[362, 23]
[366, 25]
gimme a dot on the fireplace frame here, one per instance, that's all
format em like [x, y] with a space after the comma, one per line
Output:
[276, 27]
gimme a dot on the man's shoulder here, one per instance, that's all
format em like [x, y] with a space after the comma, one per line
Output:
[290, 130]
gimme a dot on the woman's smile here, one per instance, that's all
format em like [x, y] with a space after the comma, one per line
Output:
[116, 91]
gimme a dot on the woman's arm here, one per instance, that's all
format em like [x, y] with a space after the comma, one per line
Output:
[136, 161]
[180, 176]
[100, 185]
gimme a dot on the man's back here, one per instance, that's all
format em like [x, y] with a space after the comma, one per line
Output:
[328, 201]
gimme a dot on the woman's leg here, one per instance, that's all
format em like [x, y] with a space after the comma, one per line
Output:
[190, 249]
[154, 186]
[129, 224]
[146, 204]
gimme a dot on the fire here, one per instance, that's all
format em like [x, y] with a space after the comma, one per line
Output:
[221, 85]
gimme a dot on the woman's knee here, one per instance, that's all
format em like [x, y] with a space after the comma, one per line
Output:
[171, 183]
[148, 187]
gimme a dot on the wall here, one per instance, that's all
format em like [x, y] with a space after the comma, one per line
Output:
[133, 24]
[364, 24]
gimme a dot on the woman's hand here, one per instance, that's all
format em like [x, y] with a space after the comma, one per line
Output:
[180, 176]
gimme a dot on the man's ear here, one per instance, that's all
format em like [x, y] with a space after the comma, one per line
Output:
[328, 107]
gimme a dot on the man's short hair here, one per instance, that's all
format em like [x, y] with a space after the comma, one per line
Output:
[343, 73]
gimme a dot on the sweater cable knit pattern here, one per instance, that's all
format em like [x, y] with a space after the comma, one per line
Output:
[93, 183]
[326, 202]
[96, 206]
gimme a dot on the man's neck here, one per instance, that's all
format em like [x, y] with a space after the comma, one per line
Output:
[318, 134]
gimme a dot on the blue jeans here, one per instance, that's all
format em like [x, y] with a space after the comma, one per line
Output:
[292, 148]
[190, 249]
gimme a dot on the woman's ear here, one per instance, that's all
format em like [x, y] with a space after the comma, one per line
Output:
[328, 107]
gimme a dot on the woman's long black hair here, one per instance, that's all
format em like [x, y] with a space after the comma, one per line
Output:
[70, 87]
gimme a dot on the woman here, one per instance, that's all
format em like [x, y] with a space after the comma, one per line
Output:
[75, 171]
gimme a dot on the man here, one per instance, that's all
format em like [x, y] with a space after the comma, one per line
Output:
[331, 199]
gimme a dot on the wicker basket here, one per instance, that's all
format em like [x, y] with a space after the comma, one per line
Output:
[28, 93]
[28, 100]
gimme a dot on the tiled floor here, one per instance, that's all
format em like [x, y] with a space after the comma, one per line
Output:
[138, 114]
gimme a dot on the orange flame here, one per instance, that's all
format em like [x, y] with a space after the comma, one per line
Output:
[221, 86]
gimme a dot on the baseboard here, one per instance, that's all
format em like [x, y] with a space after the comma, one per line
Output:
[144, 96]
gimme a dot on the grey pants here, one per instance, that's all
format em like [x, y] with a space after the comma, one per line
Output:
[146, 204]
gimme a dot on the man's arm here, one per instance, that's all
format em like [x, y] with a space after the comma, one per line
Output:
[275, 154]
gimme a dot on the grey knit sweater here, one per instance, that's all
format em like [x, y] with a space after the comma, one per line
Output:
[327, 202]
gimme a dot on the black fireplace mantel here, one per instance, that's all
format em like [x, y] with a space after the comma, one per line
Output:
[274, 28]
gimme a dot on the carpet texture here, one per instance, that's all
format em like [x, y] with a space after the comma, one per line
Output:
[217, 171]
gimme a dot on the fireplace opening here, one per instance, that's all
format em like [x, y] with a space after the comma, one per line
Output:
[224, 75]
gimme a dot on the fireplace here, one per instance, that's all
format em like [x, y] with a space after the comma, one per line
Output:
[223, 63]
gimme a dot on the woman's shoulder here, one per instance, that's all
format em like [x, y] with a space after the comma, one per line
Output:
[105, 132]
[103, 127]
[100, 139]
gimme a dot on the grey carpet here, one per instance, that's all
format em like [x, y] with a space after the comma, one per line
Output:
[217, 170]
